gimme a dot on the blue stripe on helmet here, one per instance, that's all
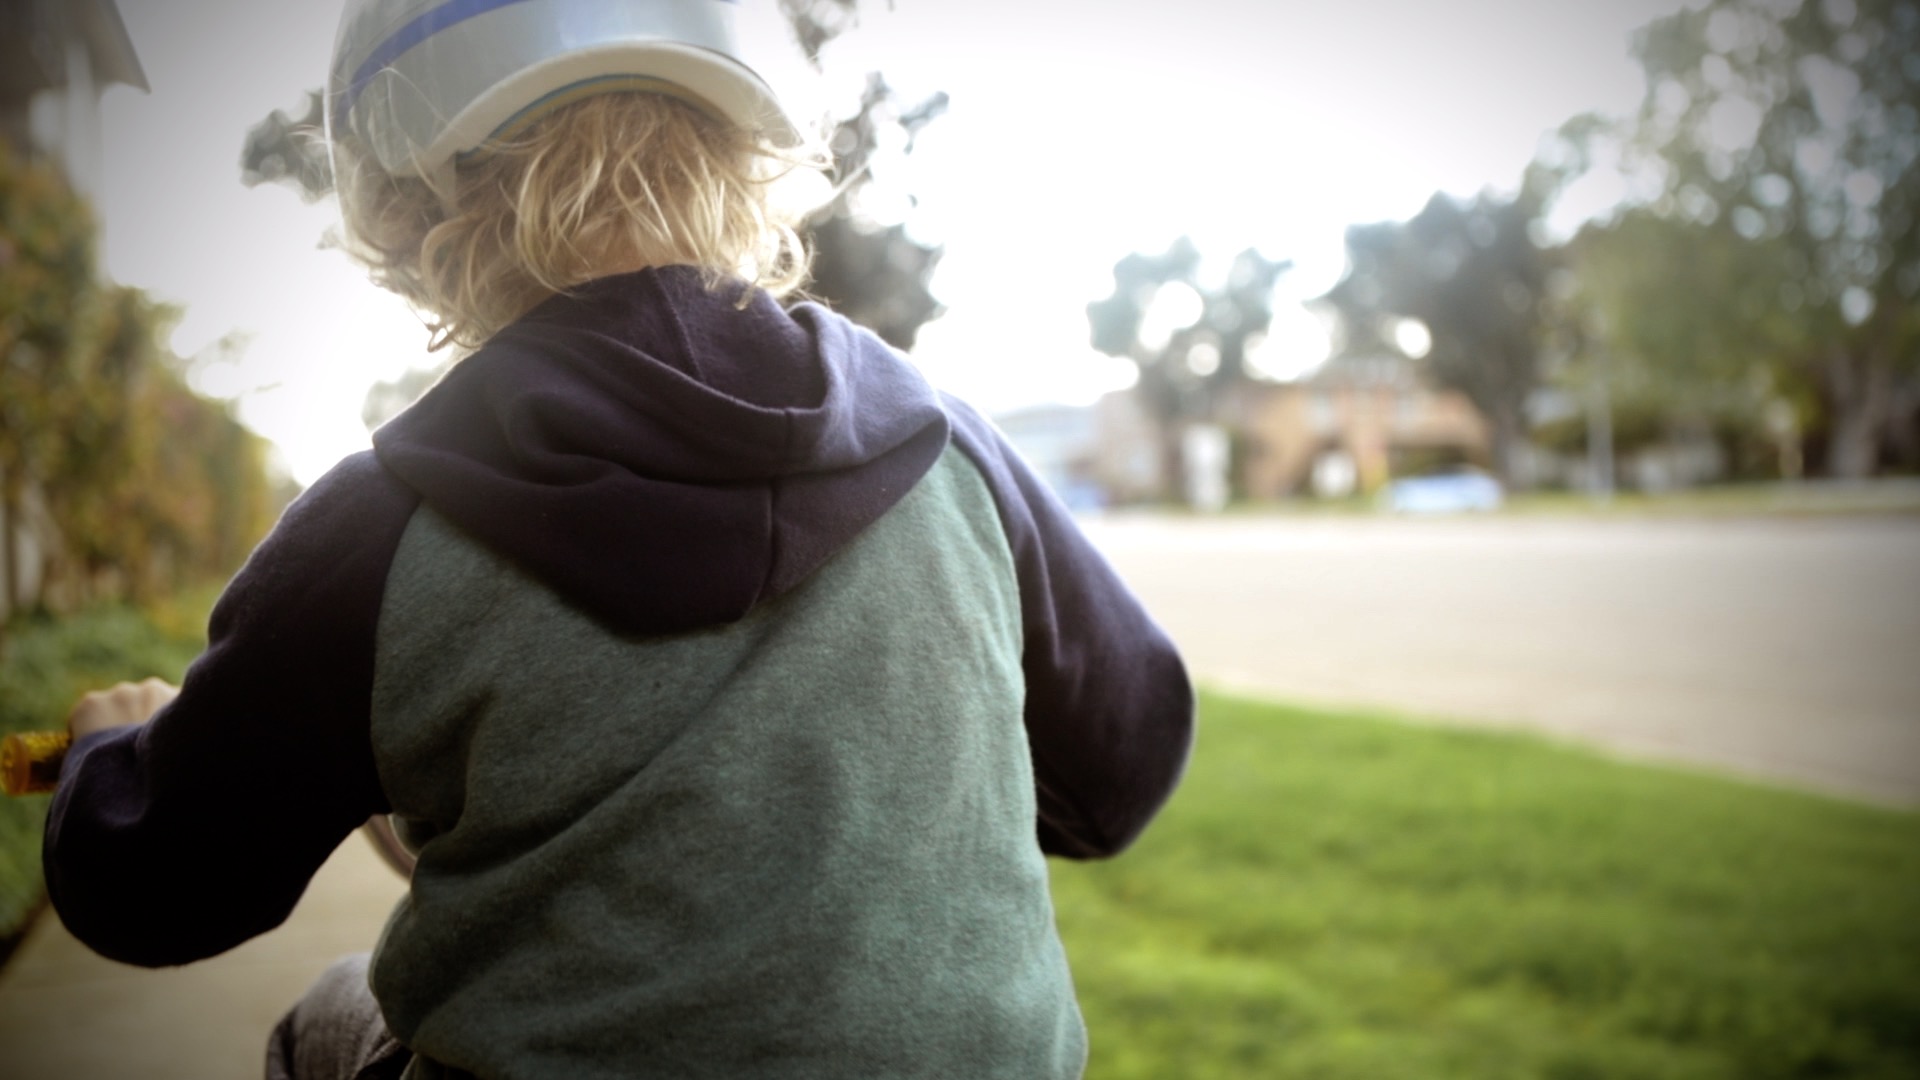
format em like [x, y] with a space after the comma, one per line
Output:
[413, 33]
[451, 13]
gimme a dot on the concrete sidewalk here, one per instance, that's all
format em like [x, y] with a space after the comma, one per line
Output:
[67, 1014]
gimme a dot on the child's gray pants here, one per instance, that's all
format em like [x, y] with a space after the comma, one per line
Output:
[336, 1032]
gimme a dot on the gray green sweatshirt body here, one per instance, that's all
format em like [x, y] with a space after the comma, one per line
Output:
[784, 847]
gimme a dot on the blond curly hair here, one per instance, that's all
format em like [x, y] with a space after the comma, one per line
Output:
[614, 182]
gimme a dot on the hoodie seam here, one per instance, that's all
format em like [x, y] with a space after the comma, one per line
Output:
[789, 437]
[684, 339]
[789, 431]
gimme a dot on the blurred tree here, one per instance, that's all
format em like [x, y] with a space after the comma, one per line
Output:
[289, 150]
[386, 400]
[877, 275]
[1190, 360]
[146, 485]
[151, 486]
[1798, 125]
[817, 22]
[89, 475]
[1681, 322]
[1475, 275]
[200, 498]
[46, 273]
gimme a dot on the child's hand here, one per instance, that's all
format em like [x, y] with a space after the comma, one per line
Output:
[120, 706]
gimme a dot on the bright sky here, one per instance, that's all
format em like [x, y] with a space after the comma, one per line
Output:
[1079, 131]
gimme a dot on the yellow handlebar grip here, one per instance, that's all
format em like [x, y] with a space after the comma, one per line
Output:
[30, 761]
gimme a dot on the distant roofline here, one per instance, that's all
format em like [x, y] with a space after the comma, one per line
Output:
[111, 46]
[34, 44]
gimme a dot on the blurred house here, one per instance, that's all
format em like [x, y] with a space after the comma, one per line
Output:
[56, 57]
[1129, 460]
[1093, 456]
[1350, 426]
[1061, 443]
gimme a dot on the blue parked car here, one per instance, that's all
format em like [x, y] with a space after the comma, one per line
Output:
[1456, 491]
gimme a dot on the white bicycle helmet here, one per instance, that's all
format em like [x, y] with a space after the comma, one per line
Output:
[422, 81]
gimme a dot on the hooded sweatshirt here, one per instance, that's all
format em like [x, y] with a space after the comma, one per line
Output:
[729, 681]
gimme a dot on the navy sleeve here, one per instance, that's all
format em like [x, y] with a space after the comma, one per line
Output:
[1109, 710]
[183, 837]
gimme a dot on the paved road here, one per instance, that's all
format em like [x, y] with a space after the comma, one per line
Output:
[1782, 648]
[1776, 647]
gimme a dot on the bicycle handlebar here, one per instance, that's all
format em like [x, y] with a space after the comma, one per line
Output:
[30, 761]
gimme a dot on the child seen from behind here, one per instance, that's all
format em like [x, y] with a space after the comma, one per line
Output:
[729, 682]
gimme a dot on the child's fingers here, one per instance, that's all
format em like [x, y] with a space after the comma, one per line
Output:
[119, 706]
[157, 693]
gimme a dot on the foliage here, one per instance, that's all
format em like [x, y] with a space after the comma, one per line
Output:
[876, 275]
[152, 486]
[290, 151]
[1229, 319]
[1797, 124]
[1186, 372]
[817, 22]
[1680, 321]
[1474, 274]
[1335, 896]
[46, 273]
[46, 263]
[386, 400]
[45, 666]
[147, 486]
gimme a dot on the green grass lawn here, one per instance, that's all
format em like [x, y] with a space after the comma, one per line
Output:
[1341, 896]
[45, 666]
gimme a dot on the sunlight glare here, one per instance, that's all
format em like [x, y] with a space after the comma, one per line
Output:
[1203, 359]
[1175, 307]
[1413, 338]
[1294, 347]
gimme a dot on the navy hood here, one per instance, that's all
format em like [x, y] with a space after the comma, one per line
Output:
[663, 456]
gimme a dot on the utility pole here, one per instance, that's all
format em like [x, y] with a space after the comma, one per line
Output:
[1600, 425]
